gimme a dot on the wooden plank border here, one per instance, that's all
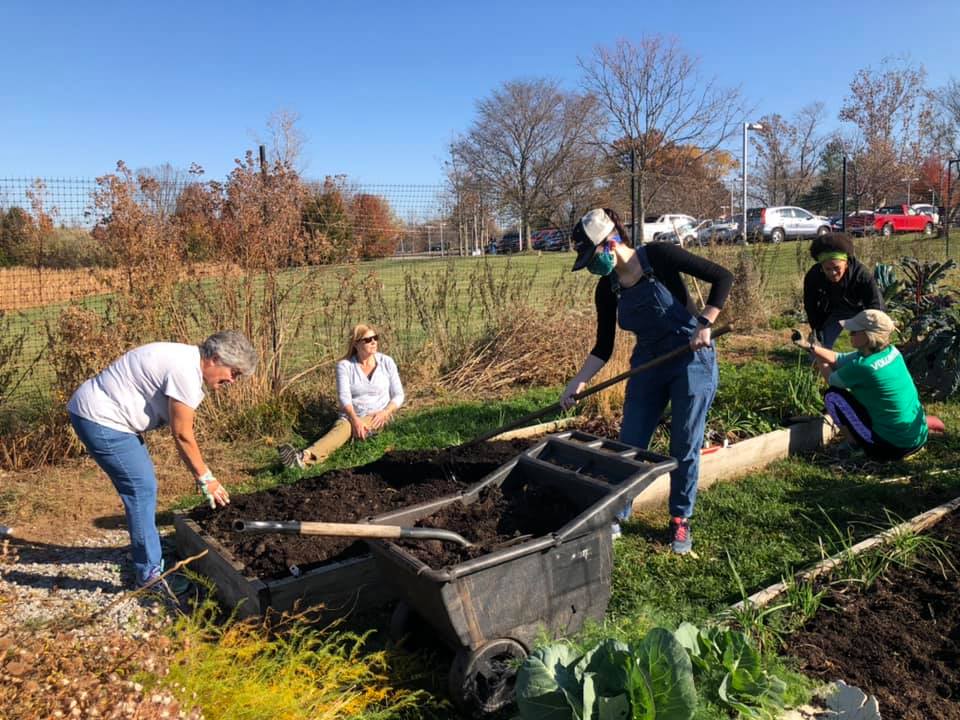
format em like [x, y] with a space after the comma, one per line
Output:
[726, 463]
[916, 524]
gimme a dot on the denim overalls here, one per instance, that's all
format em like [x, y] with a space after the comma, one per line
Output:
[689, 382]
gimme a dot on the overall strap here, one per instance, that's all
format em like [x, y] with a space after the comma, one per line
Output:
[645, 261]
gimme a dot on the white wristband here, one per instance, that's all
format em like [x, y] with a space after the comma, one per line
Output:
[205, 478]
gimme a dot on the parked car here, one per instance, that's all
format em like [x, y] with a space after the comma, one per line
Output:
[776, 224]
[653, 224]
[853, 227]
[891, 219]
[550, 239]
[717, 232]
[932, 210]
[683, 234]
[509, 243]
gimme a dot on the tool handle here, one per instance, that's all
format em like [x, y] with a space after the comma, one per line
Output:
[297, 527]
[358, 530]
[659, 360]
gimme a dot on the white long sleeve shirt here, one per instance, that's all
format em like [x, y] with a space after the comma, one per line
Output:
[368, 395]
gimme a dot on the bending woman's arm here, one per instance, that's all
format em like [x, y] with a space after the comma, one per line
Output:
[181, 428]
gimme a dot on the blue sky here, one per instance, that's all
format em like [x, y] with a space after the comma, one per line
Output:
[383, 87]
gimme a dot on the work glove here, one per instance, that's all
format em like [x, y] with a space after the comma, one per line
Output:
[211, 489]
[574, 387]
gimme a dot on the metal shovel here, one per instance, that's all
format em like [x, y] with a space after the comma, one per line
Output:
[358, 530]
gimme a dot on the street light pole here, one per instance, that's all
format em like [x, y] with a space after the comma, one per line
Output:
[746, 126]
[947, 205]
[908, 181]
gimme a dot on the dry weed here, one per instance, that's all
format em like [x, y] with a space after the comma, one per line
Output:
[529, 348]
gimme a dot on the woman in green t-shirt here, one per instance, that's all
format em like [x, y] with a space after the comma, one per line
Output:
[872, 395]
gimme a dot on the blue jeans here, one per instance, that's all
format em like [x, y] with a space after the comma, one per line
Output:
[125, 460]
[689, 383]
[830, 331]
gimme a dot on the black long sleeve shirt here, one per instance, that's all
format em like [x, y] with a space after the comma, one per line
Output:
[668, 262]
[856, 291]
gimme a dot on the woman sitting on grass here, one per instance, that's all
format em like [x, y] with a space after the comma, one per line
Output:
[872, 395]
[369, 392]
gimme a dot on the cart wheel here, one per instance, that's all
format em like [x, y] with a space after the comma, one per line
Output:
[484, 679]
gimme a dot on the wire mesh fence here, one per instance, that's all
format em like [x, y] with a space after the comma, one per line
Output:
[431, 263]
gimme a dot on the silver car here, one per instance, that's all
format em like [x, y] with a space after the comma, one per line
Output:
[776, 224]
[718, 232]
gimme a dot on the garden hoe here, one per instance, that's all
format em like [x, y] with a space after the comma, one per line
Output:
[358, 530]
[659, 360]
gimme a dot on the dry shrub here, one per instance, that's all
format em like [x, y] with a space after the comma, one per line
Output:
[530, 347]
[81, 344]
[746, 306]
[480, 330]
[11, 350]
[608, 404]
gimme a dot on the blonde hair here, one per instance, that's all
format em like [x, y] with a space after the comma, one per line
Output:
[359, 330]
[876, 341]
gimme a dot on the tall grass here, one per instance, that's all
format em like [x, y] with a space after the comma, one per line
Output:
[286, 671]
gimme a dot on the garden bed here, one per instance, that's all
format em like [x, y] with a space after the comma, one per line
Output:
[899, 641]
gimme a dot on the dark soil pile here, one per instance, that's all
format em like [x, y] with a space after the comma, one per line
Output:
[900, 641]
[396, 480]
[499, 517]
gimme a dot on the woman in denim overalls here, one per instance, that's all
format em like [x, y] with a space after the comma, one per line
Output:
[639, 289]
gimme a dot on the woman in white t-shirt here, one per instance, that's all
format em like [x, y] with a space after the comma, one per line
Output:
[151, 386]
[369, 392]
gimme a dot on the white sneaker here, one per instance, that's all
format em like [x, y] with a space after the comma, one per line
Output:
[615, 532]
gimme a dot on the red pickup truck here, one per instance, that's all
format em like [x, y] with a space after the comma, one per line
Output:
[891, 219]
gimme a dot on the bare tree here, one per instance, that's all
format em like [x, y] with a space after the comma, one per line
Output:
[161, 187]
[947, 133]
[787, 154]
[523, 140]
[891, 116]
[284, 141]
[654, 101]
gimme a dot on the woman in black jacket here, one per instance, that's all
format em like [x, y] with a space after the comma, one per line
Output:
[838, 287]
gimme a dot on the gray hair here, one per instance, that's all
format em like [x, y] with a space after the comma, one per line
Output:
[231, 348]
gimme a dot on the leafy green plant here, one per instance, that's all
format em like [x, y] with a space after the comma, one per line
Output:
[930, 321]
[649, 680]
[744, 684]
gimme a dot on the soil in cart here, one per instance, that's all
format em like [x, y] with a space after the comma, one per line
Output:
[900, 641]
[396, 480]
[498, 518]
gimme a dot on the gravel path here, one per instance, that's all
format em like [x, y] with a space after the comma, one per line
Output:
[52, 582]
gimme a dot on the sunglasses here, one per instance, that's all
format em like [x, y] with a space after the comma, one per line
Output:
[368, 340]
